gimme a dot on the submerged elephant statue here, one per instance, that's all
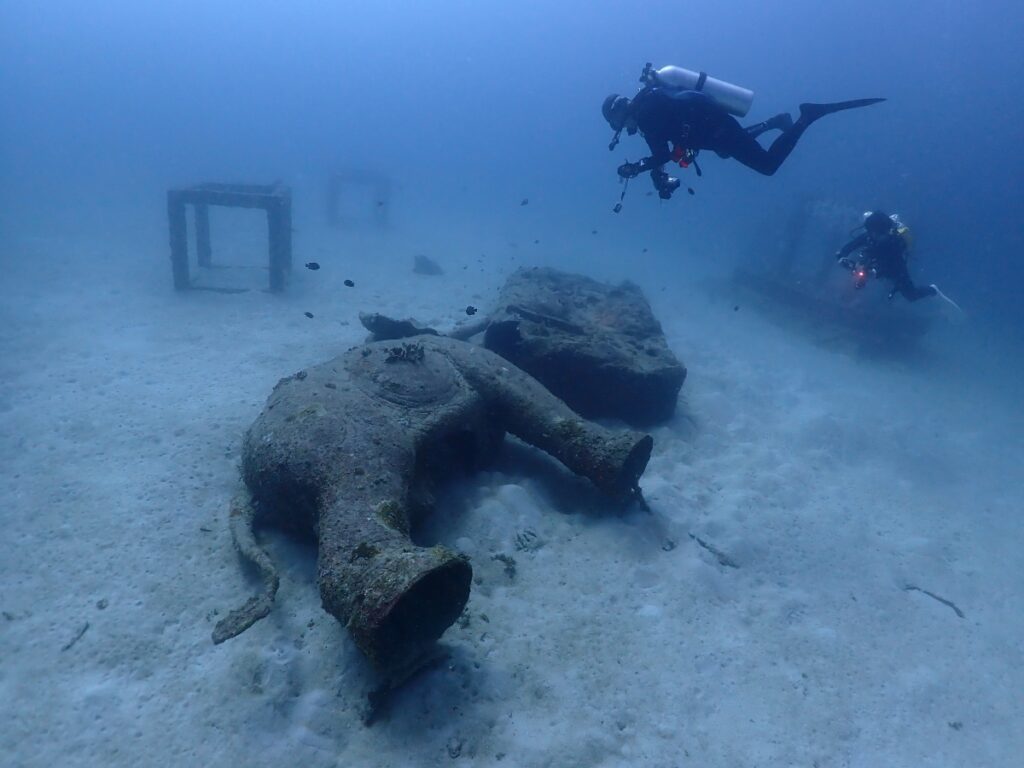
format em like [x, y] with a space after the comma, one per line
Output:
[349, 450]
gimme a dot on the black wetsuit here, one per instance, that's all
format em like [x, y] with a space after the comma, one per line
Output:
[886, 255]
[693, 120]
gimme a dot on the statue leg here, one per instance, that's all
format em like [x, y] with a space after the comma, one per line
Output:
[611, 460]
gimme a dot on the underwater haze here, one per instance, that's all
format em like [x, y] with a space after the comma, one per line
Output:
[829, 573]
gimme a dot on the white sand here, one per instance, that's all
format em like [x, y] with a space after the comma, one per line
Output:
[833, 482]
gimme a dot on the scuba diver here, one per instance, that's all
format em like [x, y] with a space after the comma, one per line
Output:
[884, 249]
[691, 111]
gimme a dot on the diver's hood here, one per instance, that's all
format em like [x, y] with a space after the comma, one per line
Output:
[615, 110]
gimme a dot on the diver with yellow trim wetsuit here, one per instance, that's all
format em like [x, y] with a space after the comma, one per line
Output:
[883, 248]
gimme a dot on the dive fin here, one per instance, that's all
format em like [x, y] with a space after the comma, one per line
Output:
[951, 309]
[811, 112]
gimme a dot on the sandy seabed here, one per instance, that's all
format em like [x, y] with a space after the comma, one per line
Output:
[830, 574]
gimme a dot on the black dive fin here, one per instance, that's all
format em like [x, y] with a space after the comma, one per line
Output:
[811, 112]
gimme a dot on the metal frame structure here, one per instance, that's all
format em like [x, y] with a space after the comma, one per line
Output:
[275, 199]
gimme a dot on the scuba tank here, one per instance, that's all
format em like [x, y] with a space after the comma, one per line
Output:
[733, 98]
[902, 231]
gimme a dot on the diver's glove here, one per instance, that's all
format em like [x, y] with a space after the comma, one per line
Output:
[629, 170]
[632, 170]
[846, 263]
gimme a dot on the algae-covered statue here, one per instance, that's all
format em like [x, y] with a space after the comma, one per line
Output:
[349, 450]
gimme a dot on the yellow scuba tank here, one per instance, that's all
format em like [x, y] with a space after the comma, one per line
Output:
[904, 233]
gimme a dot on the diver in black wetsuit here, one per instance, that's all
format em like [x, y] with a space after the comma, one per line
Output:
[883, 253]
[690, 121]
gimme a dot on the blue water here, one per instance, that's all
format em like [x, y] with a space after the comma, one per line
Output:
[477, 104]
